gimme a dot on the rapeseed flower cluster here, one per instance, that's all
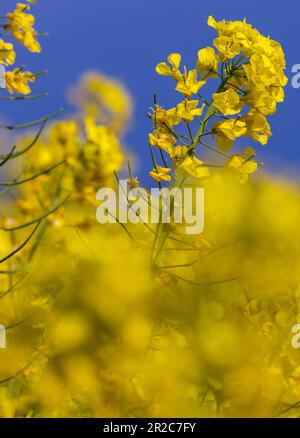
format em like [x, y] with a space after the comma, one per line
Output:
[249, 68]
[19, 25]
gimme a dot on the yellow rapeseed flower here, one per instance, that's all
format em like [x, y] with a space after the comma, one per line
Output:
[7, 53]
[20, 24]
[228, 102]
[170, 70]
[207, 61]
[189, 84]
[227, 131]
[162, 138]
[18, 81]
[160, 174]
[192, 166]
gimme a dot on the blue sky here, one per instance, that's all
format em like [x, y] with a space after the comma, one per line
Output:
[127, 38]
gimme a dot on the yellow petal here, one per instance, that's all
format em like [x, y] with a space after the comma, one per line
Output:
[175, 59]
[163, 69]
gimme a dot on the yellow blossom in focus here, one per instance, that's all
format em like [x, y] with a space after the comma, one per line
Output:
[133, 183]
[228, 102]
[7, 53]
[177, 154]
[165, 117]
[18, 81]
[235, 32]
[227, 131]
[228, 48]
[189, 109]
[262, 101]
[207, 61]
[160, 174]
[20, 24]
[262, 74]
[170, 70]
[162, 138]
[194, 167]
[257, 126]
[188, 84]
[243, 167]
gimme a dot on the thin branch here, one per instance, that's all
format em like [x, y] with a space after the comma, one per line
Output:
[8, 379]
[21, 246]
[212, 283]
[32, 97]
[23, 181]
[34, 221]
[8, 157]
[30, 124]
[24, 150]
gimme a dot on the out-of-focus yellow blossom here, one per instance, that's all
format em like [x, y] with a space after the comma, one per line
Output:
[57, 219]
[17, 81]
[160, 174]
[85, 163]
[228, 102]
[7, 53]
[103, 147]
[104, 99]
[106, 341]
[64, 132]
[20, 24]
